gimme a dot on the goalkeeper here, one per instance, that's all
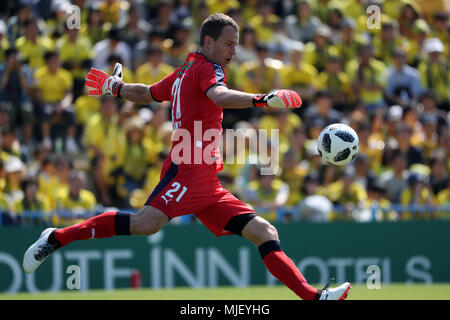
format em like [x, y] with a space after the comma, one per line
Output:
[198, 93]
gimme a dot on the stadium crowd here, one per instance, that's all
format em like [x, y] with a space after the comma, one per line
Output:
[388, 76]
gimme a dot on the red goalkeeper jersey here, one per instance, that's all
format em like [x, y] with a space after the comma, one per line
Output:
[196, 120]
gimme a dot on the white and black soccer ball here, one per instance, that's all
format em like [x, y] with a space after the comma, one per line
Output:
[338, 144]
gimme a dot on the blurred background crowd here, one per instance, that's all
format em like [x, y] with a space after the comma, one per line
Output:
[383, 67]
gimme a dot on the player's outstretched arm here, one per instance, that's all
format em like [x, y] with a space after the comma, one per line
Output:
[227, 98]
[103, 84]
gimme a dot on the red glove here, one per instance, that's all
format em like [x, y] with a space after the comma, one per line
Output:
[104, 84]
[278, 99]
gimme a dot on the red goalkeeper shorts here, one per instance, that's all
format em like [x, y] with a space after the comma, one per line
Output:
[195, 189]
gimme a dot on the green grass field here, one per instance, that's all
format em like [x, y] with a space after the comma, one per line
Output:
[358, 292]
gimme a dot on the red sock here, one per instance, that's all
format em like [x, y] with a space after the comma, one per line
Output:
[282, 268]
[105, 225]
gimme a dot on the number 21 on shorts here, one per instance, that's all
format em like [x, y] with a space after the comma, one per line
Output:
[168, 196]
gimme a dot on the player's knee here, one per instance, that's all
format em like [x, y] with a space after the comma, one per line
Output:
[266, 232]
[148, 221]
[148, 227]
[259, 231]
[270, 232]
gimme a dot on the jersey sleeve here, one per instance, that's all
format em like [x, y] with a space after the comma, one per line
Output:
[210, 75]
[161, 91]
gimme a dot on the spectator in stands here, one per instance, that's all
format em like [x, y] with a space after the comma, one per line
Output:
[264, 22]
[403, 137]
[377, 137]
[416, 49]
[395, 180]
[430, 139]
[113, 11]
[139, 196]
[333, 79]
[75, 52]
[154, 40]
[347, 193]
[417, 193]
[363, 174]
[14, 169]
[63, 165]
[297, 142]
[409, 13]
[439, 176]
[4, 43]
[440, 25]
[200, 13]
[387, 41]
[164, 19]
[183, 10]
[246, 49]
[136, 155]
[368, 78]
[403, 82]
[411, 119]
[34, 206]
[33, 46]
[158, 127]
[370, 148]
[154, 69]
[302, 25]
[392, 118]
[317, 51]
[446, 147]
[322, 109]
[48, 181]
[333, 18]
[263, 74]
[299, 74]
[427, 106]
[54, 100]
[180, 46]
[435, 73]
[15, 81]
[75, 203]
[349, 41]
[284, 122]
[56, 23]
[293, 175]
[377, 200]
[443, 199]
[95, 29]
[10, 146]
[222, 6]
[112, 45]
[313, 161]
[314, 206]
[268, 192]
[16, 24]
[102, 132]
[2, 175]
[85, 107]
[136, 29]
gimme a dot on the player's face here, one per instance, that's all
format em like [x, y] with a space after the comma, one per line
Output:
[224, 49]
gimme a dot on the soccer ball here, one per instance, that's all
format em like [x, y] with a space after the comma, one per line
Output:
[338, 144]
